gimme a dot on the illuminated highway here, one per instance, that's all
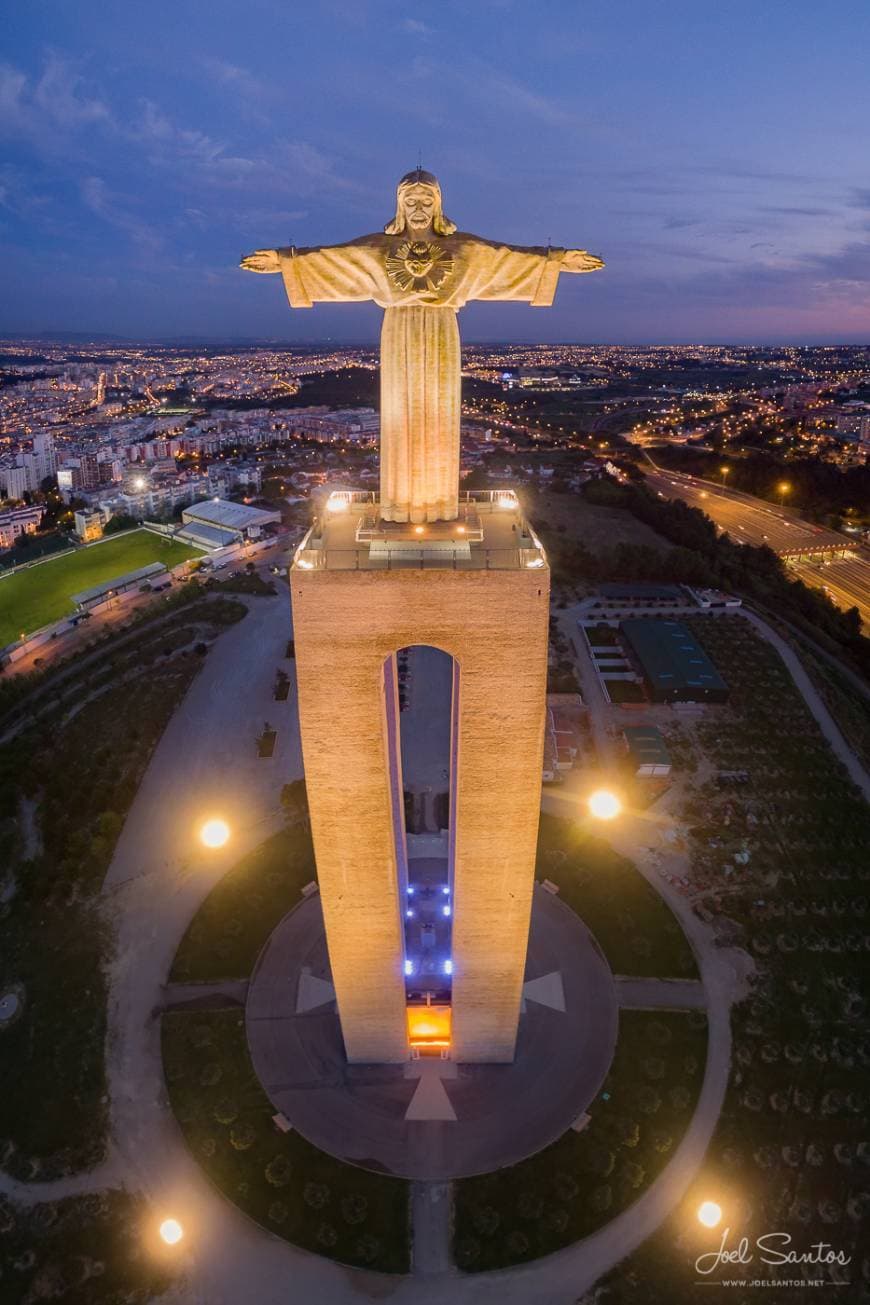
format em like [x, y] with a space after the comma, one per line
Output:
[748, 520]
[846, 581]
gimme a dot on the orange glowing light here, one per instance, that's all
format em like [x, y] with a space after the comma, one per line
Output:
[429, 1026]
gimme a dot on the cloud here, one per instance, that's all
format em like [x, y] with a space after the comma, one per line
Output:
[415, 27]
[500, 92]
[53, 106]
[162, 138]
[231, 75]
[97, 197]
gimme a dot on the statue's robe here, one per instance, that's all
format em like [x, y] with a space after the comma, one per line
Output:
[421, 284]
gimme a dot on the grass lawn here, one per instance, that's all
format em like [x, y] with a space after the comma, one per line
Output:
[279, 1179]
[228, 932]
[635, 929]
[41, 594]
[585, 1179]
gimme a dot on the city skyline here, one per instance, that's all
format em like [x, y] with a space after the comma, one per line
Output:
[703, 156]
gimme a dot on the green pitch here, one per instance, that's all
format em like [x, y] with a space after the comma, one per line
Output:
[40, 594]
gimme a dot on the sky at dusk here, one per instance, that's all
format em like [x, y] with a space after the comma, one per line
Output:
[715, 155]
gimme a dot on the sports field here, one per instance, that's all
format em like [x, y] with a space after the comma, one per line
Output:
[40, 594]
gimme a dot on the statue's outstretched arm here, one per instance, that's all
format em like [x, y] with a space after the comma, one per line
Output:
[262, 260]
[580, 260]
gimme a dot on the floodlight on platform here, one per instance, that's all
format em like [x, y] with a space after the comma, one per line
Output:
[171, 1231]
[709, 1214]
[215, 833]
[338, 502]
[604, 805]
[419, 530]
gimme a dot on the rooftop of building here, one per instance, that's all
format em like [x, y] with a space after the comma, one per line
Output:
[226, 515]
[489, 532]
[647, 744]
[118, 582]
[671, 655]
[210, 537]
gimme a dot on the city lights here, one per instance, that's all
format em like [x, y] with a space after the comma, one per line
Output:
[709, 1214]
[171, 1231]
[214, 833]
[604, 805]
[448, 967]
[409, 967]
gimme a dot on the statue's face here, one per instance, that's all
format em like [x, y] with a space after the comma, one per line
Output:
[420, 203]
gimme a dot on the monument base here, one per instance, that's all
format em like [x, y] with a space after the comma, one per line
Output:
[432, 1118]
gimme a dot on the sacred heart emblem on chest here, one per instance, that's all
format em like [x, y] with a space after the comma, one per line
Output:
[419, 265]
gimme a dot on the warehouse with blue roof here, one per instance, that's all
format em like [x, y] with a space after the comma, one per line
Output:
[674, 666]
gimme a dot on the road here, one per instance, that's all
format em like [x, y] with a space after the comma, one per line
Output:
[845, 580]
[748, 520]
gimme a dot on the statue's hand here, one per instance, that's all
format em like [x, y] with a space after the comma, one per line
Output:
[578, 260]
[262, 260]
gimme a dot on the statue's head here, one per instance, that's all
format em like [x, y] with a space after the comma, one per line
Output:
[418, 206]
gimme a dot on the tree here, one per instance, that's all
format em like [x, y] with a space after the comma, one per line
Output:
[294, 800]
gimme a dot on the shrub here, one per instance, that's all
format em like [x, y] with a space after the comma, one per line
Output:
[326, 1234]
[367, 1248]
[279, 1171]
[354, 1208]
[210, 1075]
[530, 1205]
[634, 1174]
[242, 1136]
[278, 1212]
[486, 1220]
[226, 1111]
[654, 1067]
[648, 1100]
[467, 1251]
[556, 1219]
[659, 1033]
[518, 1242]
[602, 1198]
[316, 1195]
[662, 1142]
[628, 1132]
[598, 1160]
[566, 1186]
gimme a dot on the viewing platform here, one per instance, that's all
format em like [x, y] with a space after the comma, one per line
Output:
[490, 533]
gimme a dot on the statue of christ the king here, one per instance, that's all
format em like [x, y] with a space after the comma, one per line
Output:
[421, 270]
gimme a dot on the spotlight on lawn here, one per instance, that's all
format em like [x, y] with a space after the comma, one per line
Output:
[215, 833]
[171, 1231]
[604, 805]
[709, 1214]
